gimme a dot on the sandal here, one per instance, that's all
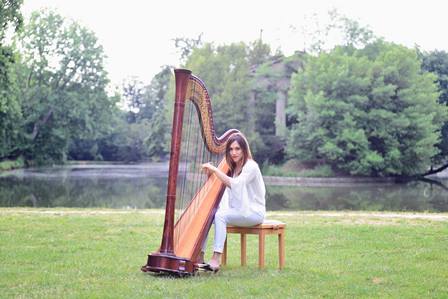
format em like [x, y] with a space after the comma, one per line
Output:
[210, 268]
[202, 265]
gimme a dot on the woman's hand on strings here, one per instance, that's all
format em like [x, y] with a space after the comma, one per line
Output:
[208, 168]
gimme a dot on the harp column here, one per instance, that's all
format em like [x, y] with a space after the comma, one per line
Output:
[182, 79]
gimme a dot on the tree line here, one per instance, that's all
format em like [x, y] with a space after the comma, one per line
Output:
[362, 107]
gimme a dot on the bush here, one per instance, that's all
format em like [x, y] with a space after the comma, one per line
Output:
[295, 168]
[12, 164]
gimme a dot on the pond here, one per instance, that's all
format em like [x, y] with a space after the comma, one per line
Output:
[142, 186]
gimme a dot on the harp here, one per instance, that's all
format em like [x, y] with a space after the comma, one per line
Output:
[193, 142]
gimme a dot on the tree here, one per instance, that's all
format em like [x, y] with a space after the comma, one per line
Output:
[133, 90]
[10, 114]
[154, 111]
[340, 30]
[366, 112]
[186, 45]
[140, 132]
[63, 86]
[258, 53]
[437, 63]
[228, 72]
[126, 142]
[10, 15]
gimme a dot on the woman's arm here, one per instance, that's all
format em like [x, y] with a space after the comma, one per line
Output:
[221, 175]
[247, 174]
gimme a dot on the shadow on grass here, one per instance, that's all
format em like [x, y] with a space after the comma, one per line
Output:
[167, 275]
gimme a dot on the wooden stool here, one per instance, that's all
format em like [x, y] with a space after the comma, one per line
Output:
[268, 227]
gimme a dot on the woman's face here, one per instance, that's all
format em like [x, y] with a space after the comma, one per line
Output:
[236, 153]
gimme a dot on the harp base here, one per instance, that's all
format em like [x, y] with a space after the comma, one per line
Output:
[171, 264]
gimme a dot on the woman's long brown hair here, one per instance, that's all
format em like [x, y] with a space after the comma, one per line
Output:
[242, 142]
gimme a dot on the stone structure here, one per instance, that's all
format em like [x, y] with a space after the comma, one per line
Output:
[278, 79]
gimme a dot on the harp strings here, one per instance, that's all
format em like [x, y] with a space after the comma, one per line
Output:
[183, 166]
[191, 178]
[183, 189]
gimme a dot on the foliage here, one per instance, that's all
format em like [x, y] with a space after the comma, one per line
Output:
[186, 45]
[10, 114]
[258, 53]
[12, 164]
[354, 34]
[62, 85]
[285, 171]
[227, 71]
[132, 96]
[140, 132]
[437, 62]
[10, 15]
[126, 142]
[154, 111]
[341, 30]
[366, 112]
[365, 108]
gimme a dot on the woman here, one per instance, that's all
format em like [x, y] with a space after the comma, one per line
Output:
[243, 202]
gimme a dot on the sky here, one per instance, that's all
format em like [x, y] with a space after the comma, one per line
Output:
[137, 35]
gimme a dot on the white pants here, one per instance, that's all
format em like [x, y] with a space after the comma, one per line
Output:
[231, 217]
[225, 216]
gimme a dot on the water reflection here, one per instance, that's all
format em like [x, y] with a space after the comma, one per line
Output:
[144, 186]
[107, 186]
[411, 196]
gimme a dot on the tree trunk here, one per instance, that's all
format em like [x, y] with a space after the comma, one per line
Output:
[434, 171]
[39, 123]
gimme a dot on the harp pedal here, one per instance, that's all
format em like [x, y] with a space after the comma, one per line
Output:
[181, 265]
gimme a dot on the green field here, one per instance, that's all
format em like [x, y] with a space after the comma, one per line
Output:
[83, 253]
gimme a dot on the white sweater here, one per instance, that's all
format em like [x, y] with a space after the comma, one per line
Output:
[247, 191]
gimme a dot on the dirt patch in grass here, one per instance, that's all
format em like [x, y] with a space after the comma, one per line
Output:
[345, 217]
[373, 218]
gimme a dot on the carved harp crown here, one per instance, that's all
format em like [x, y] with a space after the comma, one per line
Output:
[182, 240]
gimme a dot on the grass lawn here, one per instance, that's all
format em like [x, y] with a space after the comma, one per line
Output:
[83, 253]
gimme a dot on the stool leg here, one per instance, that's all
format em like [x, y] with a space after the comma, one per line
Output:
[281, 249]
[243, 249]
[261, 237]
[224, 254]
